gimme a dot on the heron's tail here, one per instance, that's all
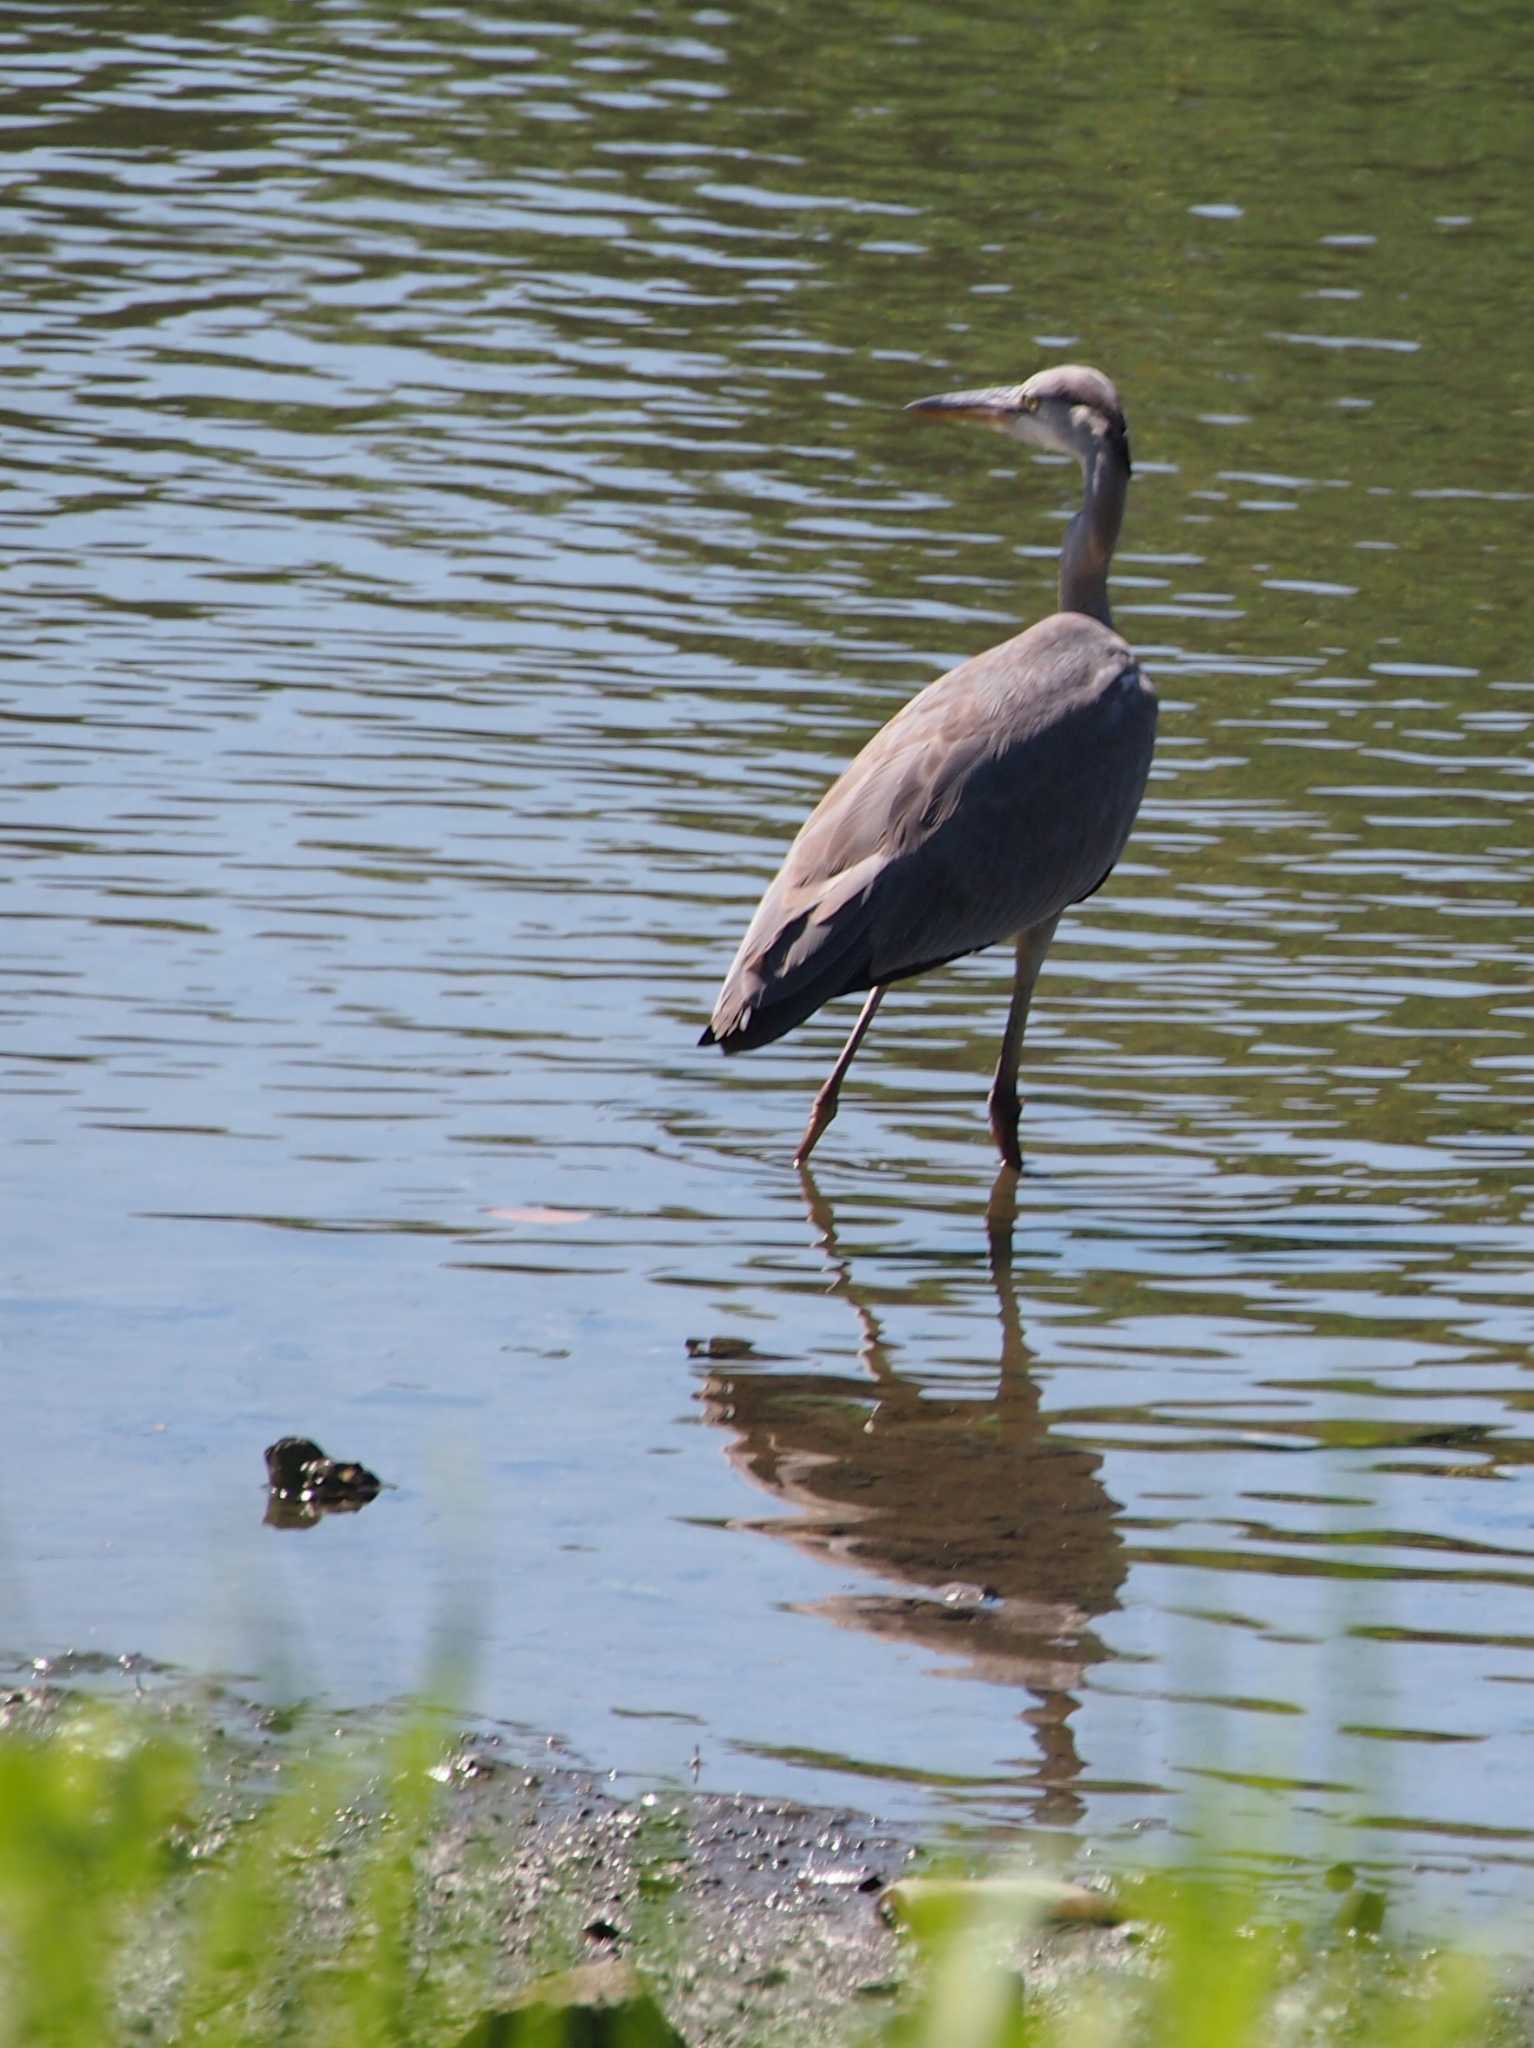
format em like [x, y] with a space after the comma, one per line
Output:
[752, 1012]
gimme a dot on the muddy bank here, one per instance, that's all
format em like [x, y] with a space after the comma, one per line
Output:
[751, 1920]
[747, 1917]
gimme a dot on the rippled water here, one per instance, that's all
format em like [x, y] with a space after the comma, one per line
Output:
[458, 516]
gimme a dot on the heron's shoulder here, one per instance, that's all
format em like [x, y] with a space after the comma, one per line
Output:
[1065, 640]
[1064, 662]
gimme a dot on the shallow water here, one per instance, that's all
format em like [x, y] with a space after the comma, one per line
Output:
[458, 517]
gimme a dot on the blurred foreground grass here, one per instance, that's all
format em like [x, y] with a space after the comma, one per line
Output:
[138, 1903]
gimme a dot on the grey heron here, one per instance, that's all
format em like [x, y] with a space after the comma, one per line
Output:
[1000, 795]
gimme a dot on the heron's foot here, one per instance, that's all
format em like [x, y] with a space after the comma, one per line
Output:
[820, 1115]
[1006, 1112]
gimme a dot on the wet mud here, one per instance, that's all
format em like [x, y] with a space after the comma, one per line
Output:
[749, 1920]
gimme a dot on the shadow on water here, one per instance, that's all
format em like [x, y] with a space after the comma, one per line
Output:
[1001, 1530]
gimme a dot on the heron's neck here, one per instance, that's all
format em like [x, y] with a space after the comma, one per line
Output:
[1091, 537]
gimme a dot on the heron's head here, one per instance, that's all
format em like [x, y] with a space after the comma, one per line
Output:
[1068, 409]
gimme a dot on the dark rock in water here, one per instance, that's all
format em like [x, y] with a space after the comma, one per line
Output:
[302, 1484]
[599, 2005]
[288, 1461]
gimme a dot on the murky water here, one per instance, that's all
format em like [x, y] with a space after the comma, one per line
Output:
[458, 515]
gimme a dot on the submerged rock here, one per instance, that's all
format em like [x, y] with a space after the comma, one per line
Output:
[302, 1484]
[929, 1904]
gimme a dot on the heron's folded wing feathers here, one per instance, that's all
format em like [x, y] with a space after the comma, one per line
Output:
[998, 795]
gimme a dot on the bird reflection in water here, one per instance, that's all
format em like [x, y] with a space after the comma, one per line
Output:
[1003, 1532]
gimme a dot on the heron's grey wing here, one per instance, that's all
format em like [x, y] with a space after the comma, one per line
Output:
[1002, 792]
[1029, 805]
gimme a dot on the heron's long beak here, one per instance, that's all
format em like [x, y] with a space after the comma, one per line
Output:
[998, 402]
[998, 407]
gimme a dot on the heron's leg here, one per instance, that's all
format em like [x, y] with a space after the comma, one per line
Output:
[825, 1101]
[1005, 1108]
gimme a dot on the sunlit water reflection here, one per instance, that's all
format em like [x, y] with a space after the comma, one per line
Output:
[458, 518]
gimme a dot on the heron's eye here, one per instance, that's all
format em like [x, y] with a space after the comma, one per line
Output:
[1030, 402]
